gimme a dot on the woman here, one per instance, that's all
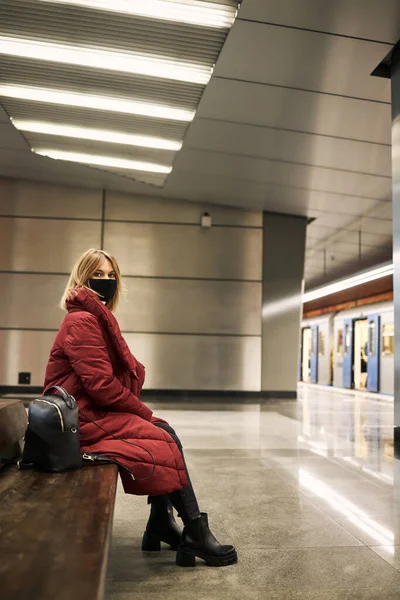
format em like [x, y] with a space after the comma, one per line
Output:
[92, 361]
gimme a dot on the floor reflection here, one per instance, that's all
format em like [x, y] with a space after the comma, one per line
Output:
[354, 428]
[343, 461]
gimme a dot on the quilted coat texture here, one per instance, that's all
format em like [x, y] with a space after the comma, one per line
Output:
[92, 361]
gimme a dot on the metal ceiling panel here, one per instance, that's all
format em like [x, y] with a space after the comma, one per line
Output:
[337, 222]
[366, 226]
[352, 238]
[302, 176]
[297, 110]
[280, 198]
[366, 19]
[350, 249]
[378, 226]
[382, 211]
[4, 118]
[289, 146]
[305, 60]
[10, 138]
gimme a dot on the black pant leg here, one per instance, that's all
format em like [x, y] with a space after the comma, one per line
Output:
[184, 500]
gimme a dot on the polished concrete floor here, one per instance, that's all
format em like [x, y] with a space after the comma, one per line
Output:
[307, 491]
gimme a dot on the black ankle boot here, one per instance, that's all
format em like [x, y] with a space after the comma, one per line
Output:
[197, 540]
[161, 526]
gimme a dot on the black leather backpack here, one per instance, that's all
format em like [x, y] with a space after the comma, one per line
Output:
[52, 435]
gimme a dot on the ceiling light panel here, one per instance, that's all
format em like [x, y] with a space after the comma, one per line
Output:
[190, 12]
[103, 161]
[96, 119]
[99, 135]
[95, 102]
[133, 87]
[108, 60]
[116, 84]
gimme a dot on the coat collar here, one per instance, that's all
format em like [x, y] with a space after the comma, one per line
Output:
[85, 299]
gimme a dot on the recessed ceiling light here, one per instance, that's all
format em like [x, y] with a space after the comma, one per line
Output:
[104, 161]
[96, 102]
[139, 64]
[97, 135]
[193, 12]
[350, 282]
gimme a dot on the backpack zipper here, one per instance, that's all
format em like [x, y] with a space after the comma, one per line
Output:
[58, 410]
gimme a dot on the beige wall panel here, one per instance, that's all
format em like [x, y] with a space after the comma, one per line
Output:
[198, 362]
[23, 198]
[45, 244]
[181, 251]
[172, 362]
[26, 351]
[31, 301]
[189, 306]
[146, 208]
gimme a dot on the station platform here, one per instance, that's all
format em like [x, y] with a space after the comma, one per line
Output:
[307, 491]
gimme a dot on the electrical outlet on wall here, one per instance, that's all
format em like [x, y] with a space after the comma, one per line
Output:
[24, 378]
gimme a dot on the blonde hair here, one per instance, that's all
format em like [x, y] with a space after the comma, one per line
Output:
[84, 268]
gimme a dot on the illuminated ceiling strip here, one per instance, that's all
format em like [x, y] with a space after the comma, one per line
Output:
[97, 135]
[104, 161]
[96, 102]
[191, 12]
[138, 64]
[345, 284]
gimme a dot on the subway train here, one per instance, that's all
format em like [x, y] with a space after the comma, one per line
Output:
[351, 349]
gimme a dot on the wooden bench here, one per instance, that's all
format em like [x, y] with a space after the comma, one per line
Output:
[55, 529]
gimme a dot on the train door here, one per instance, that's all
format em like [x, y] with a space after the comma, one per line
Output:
[373, 352]
[348, 354]
[306, 354]
[360, 357]
[314, 354]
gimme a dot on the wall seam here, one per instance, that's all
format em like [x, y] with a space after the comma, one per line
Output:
[103, 215]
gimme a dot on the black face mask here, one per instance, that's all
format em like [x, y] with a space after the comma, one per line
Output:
[105, 287]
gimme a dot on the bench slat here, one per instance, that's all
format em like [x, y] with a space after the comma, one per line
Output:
[55, 531]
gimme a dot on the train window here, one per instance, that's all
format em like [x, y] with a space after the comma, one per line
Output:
[347, 340]
[372, 338]
[388, 339]
[339, 347]
[321, 343]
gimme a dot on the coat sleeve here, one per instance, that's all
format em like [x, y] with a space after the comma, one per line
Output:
[86, 349]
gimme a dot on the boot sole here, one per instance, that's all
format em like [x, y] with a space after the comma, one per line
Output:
[152, 543]
[185, 557]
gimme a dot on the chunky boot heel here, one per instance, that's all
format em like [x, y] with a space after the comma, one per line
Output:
[150, 543]
[185, 558]
[197, 540]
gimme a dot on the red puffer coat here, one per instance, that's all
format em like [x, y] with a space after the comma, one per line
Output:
[92, 361]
